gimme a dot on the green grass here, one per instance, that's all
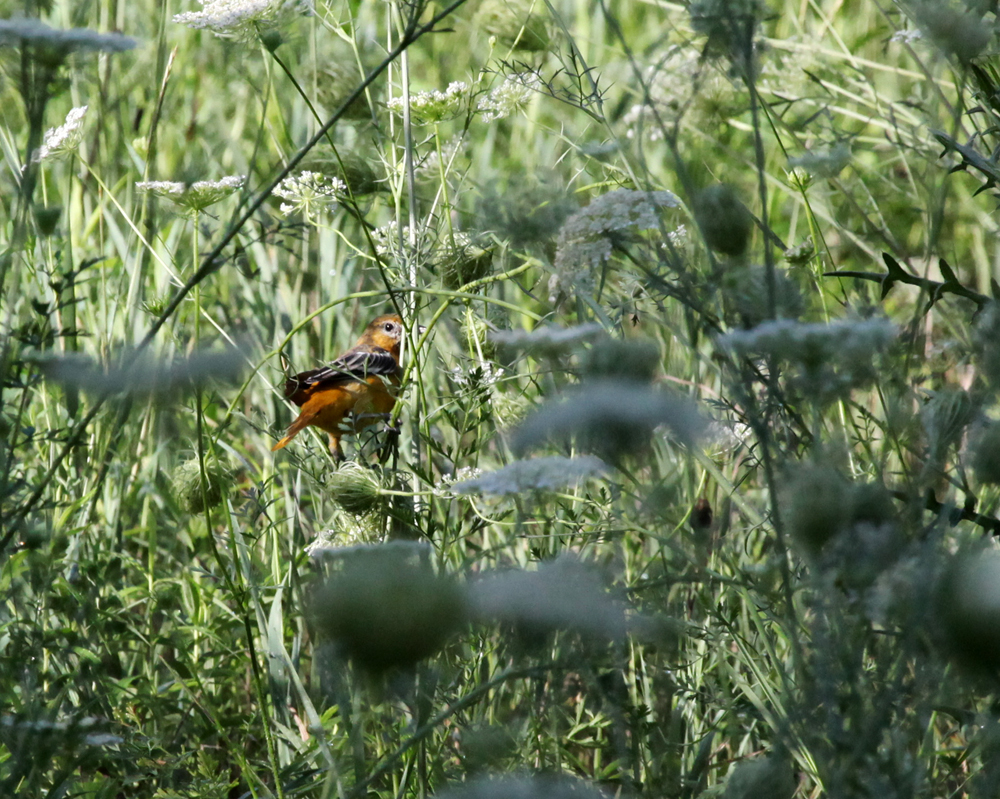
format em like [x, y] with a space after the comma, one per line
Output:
[151, 648]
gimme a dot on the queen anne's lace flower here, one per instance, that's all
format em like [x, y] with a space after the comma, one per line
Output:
[561, 595]
[65, 138]
[310, 193]
[509, 96]
[434, 106]
[244, 20]
[585, 238]
[534, 474]
[830, 357]
[907, 36]
[21, 31]
[548, 340]
[197, 196]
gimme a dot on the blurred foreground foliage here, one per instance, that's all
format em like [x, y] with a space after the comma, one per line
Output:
[695, 489]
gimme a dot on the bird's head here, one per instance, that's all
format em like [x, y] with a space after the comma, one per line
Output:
[385, 332]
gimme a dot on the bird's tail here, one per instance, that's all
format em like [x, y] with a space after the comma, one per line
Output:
[297, 426]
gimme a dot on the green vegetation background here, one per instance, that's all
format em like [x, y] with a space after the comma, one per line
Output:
[799, 598]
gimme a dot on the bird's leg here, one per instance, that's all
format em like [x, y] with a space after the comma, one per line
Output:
[391, 439]
[335, 450]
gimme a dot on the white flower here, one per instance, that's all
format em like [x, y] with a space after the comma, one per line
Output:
[21, 31]
[534, 474]
[679, 236]
[831, 356]
[584, 240]
[197, 196]
[392, 245]
[65, 138]
[549, 340]
[907, 37]
[431, 166]
[434, 106]
[509, 96]
[845, 339]
[562, 595]
[244, 20]
[310, 192]
[481, 376]
[610, 417]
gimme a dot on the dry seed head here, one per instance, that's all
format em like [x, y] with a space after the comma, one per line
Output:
[509, 408]
[954, 30]
[986, 454]
[968, 602]
[186, 480]
[515, 23]
[342, 77]
[761, 778]
[945, 416]
[386, 609]
[635, 360]
[356, 488]
[725, 221]
[47, 218]
[816, 506]
[745, 294]
[462, 261]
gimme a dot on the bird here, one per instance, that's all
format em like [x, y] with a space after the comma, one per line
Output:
[361, 384]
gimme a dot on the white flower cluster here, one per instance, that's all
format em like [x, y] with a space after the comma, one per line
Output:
[64, 139]
[534, 474]
[243, 20]
[431, 165]
[393, 246]
[564, 594]
[907, 36]
[194, 197]
[509, 96]
[584, 240]
[831, 356]
[310, 193]
[481, 376]
[21, 31]
[434, 106]
[548, 340]
[610, 417]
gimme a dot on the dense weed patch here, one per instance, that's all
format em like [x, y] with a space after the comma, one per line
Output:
[694, 486]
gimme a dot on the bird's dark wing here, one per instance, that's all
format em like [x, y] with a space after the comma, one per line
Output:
[356, 364]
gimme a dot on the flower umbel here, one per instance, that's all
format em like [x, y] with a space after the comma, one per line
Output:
[434, 106]
[831, 357]
[610, 418]
[22, 31]
[509, 96]
[194, 197]
[534, 474]
[244, 20]
[585, 238]
[64, 139]
[310, 193]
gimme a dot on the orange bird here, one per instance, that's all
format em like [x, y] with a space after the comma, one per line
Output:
[360, 383]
